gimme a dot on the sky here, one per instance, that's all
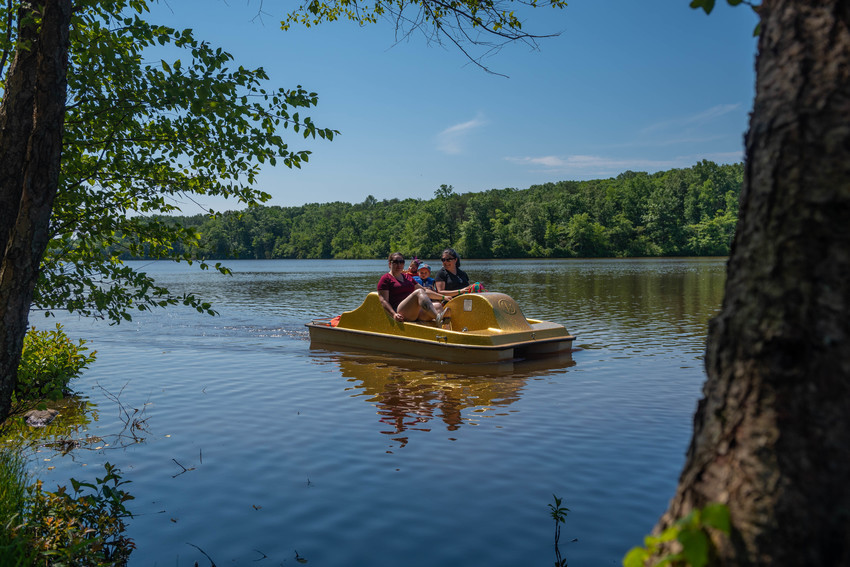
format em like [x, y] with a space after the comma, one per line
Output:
[644, 85]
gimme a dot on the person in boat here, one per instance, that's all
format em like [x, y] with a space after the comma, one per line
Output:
[450, 279]
[423, 277]
[402, 297]
[413, 268]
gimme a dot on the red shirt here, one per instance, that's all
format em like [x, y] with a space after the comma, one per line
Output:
[398, 290]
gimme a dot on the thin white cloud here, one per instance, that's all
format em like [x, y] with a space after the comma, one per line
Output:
[588, 166]
[713, 112]
[697, 119]
[453, 139]
[586, 163]
[547, 161]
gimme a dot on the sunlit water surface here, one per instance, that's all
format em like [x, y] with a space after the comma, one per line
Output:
[258, 447]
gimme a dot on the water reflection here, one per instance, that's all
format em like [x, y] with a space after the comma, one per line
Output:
[64, 433]
[421, 395]
[69, 433]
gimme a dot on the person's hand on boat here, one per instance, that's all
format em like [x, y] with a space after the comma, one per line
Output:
[472, 288]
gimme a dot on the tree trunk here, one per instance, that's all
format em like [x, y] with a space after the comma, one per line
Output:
[31, 126]
[772, 434]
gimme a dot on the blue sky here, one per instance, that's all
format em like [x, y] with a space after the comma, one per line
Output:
[627, 85]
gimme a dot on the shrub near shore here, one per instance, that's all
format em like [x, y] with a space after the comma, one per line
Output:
[81, 526]
[84, 526]
[49, 361]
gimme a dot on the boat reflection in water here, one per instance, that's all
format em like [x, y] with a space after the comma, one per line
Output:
[411, 394]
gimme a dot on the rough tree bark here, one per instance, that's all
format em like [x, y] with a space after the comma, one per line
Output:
[772, 433]
[31, 126]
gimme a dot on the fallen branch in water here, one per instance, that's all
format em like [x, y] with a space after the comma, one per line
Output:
[212, 563]
[185, 470]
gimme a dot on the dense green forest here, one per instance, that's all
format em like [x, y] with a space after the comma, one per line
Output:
[679, 212]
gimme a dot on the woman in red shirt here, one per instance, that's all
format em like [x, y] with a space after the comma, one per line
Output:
[403, 298]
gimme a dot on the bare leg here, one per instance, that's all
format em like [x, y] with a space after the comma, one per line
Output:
[410, 306]
[428, 312]
[417, 307]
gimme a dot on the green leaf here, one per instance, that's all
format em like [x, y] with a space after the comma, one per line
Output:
[717, 516]
[694, 547]
[707, 5]
[636, 557]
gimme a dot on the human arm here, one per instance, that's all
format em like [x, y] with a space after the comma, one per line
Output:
[436, 295]
[445, 294]
[384, 296]
[458, 280]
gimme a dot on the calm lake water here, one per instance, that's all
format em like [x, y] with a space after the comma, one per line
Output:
[257, 447]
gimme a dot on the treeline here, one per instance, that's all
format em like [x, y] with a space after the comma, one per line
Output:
[680, 212]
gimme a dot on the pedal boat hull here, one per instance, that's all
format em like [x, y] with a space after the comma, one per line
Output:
[480, 328]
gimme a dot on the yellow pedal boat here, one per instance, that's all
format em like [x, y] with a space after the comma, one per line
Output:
[478, 327]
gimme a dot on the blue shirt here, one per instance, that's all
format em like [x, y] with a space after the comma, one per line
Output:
[428, 283]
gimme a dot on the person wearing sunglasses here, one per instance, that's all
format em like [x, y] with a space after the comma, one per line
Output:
[402, 297]
[450, 279]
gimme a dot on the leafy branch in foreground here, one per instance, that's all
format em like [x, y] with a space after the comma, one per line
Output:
[466, 24]
[83, 527]
[144, 135]
[691, 535]
[708, 6]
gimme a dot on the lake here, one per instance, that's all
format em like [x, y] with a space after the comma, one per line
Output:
[256, 449]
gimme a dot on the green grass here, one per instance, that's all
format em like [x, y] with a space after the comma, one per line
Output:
[14, 550]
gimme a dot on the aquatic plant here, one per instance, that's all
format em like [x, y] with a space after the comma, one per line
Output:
[50, 360]
[559, 514]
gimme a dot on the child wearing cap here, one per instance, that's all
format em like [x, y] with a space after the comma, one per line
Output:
[423, 276]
